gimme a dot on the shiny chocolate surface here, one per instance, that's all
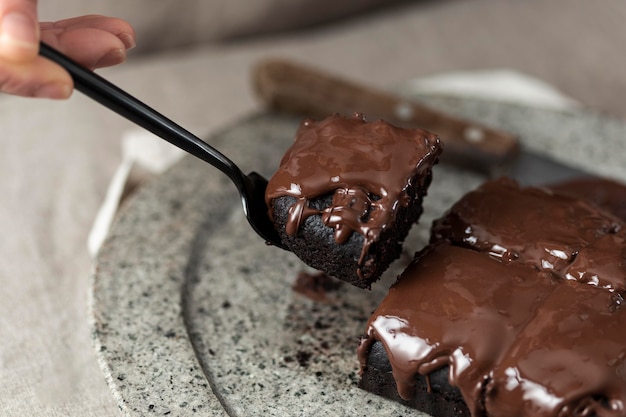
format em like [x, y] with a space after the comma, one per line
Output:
[366, 166]
[532, 328]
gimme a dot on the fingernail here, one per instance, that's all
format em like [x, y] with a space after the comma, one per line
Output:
[128, 40]
[114, 57]
[18, 29]
[54, 91]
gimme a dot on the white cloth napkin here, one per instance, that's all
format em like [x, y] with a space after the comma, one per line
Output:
[501, 85]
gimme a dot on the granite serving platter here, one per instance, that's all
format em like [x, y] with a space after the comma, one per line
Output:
[192, 314]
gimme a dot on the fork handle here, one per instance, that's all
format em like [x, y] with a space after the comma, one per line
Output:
[122, 103]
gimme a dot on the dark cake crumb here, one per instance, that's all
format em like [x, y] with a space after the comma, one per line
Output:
[315, 286]
[303, 357]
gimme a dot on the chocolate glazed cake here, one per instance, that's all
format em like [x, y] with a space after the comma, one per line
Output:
[516, 308]
[347, 192]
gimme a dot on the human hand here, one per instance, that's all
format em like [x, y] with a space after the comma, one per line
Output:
[94, 41]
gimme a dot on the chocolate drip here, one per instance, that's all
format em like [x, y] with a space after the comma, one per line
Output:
[521, 294]
[367, 167]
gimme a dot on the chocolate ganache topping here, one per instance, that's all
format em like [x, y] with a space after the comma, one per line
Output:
[608, 194]
[550, 231]
[520, 337]
[366, 166]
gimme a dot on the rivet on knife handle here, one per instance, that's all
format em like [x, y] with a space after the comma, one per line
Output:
[293, 88]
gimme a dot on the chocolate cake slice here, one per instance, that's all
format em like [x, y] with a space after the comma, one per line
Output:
[455, 311]
[513, 336]
[347, 192]
[534, 225]
[568, 361]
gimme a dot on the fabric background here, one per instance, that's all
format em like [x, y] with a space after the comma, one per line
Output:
[170, 23]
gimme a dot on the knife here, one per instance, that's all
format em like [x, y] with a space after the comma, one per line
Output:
[293, 88]
[290, 87]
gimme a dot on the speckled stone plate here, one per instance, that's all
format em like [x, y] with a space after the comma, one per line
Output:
[194, 315]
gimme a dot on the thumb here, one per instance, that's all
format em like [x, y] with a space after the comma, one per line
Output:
[19, 30]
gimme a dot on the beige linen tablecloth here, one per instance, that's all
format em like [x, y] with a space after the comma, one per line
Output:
[57, 158]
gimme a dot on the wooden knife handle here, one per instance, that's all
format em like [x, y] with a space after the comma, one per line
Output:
[293, 88]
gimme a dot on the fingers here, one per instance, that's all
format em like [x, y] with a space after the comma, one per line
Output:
[93, 41]
[42, 78]
[19, 30]
[118, 27]
[90, 47]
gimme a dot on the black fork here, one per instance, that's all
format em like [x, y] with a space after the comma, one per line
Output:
[251, 187]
